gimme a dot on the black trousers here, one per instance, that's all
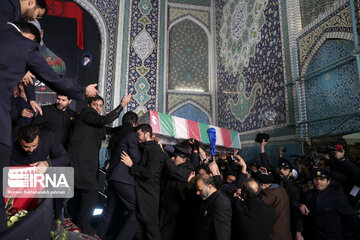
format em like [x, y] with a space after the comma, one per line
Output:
[121, 197]
[83, 206]
[4, 162]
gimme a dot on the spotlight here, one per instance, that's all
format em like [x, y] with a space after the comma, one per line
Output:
[97, 211]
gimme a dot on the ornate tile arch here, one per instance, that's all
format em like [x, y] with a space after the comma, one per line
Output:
[176, 13]
[337, 21]
[105, 16]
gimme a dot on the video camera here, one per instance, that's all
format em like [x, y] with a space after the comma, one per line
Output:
[329, 149]
[261, 136]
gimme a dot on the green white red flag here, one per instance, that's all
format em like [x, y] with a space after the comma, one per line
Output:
[181, 128]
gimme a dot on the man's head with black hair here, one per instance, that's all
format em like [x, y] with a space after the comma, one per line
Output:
[130, 118]
[29, 31]
[144, 132]
[28, 137]
[32, 9]
[96, 103]
[205, 185]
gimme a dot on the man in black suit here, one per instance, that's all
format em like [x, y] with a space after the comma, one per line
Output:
[57, 118]
[327, 214]
[147, 178]
[18, 53]
[15, 10]
[174, 181]
[84, 146]
[215, 211]
[121, 190]
[39, 148]
[252, 218]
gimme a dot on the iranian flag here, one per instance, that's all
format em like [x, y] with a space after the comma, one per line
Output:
[182, 128]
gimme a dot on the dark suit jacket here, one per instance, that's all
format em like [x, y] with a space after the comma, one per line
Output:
[124, 139]
[252, 219]
[17, 55]
[147, 178]
[215, 218]
[9, 11]
[48, 147]
[330, 217]
[56, 121]
[85, 144]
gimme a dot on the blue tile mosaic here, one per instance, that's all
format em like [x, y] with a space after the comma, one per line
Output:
[188, 57]
[191, 112]
[334, 92]
[255, 97]
[143, 55]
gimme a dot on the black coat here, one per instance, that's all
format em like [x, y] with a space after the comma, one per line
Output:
[252, 219]
[330, 217]
[57, 121]
[85, 143]
[294, 194]
[215, 218]
[48, 147]
[18, 55]
[10, 11]
[173, 189]
[147, 178]
[124, 139]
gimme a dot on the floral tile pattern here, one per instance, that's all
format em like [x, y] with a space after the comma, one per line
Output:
[255, 97]
[334, 92]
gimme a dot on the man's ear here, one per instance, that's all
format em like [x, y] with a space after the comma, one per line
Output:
[31, 3]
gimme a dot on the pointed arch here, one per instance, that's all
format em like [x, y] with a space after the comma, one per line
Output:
[320, 43]
[195, 105]
[189, 17]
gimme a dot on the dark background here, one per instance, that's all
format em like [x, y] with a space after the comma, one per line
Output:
[60, 36]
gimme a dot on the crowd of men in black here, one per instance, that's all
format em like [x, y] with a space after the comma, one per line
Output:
[178, 191]
[160, 191]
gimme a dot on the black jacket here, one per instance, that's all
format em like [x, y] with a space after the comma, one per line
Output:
[252, 219]
[56, 121]
[294, 194]
[18, 55]
[147, 178]
[173, 188]
[48, 147]
[85, 143]
[124, 139]
[215, 218]
[330, 217]
[10, 11]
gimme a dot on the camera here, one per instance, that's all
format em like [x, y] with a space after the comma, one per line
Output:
[261, 136]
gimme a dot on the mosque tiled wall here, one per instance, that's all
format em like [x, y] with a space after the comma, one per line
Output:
[193, 2]
[188, 57]
[143, 49]
[250, 65]
[189, 30]
[334, 92]
[311, 9]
